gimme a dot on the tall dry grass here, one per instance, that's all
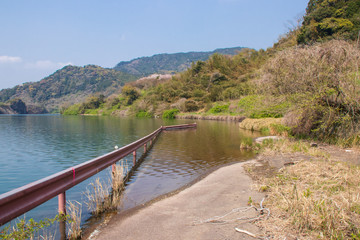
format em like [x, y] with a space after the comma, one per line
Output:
[74, 210]
[323, 83]
[314, 199]
[271, 147]
[106, 195]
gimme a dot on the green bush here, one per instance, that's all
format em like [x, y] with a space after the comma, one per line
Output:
[143, 114]
[261, 106]
[280, 129]
[219, 109]
[170, 114]
[72, 110]
[91, 111]
[30, 229]
[94, 102]
[266, 114]
[249, 102]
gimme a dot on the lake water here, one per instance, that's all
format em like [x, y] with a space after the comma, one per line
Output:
[36, 146]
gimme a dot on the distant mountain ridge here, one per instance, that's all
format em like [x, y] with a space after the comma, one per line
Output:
[68, 85]
[168, 63]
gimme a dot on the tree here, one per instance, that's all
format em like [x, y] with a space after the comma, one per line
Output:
[130, 93]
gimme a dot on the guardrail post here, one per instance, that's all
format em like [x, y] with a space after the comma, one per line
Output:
[62, 203]
[145, 148]
[134, 158]
[62, 213]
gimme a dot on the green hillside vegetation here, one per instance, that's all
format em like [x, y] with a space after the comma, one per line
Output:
[312, 87]
[68, 85]
[329, 19]
[168, 63]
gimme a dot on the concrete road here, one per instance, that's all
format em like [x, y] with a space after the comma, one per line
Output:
[184, 215]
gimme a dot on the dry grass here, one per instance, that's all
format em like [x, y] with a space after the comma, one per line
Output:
[259, 124]
[118, 185]
[310, 69]
[118, 178]
[47, 235]
[311, 199]
[105, 196]
[315, 199]
[286, 145]
[97, 196]
[74, 210]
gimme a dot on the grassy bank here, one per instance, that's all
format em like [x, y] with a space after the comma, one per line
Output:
[313, 197]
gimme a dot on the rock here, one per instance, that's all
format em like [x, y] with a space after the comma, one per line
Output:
[313, 145]
[6, 109]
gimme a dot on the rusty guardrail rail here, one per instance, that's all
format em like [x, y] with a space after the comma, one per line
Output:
[21, 200]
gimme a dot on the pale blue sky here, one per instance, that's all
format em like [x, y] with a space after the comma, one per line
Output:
[40, 36]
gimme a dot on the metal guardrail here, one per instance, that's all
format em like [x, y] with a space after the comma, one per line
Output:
[21, 200]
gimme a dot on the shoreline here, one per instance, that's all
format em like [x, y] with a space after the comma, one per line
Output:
[237, 118]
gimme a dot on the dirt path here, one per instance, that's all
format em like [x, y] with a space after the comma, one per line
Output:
[181, 216]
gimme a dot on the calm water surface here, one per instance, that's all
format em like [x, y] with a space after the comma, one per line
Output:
[36, 146]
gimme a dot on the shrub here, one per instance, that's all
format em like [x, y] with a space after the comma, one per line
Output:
[93, 102]
[170, 114]
[264, 106]
[91, 111]
[198, 93]
[72, 110]
[280, 129]
[143, 114]
[31, 229]
[191, 106]
[130, 93]
[219, 109]
[231, 93]
[265, 114]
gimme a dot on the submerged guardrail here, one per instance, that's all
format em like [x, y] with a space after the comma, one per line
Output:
[21, 200]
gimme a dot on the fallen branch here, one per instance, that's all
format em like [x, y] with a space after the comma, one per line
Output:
[246, 232]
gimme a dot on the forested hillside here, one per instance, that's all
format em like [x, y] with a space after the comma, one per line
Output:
[310, 77]
[68, 85]
[329, 19]
[168, 63]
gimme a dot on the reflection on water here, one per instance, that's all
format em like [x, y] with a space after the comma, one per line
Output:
[36, 146]
[179, 157]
